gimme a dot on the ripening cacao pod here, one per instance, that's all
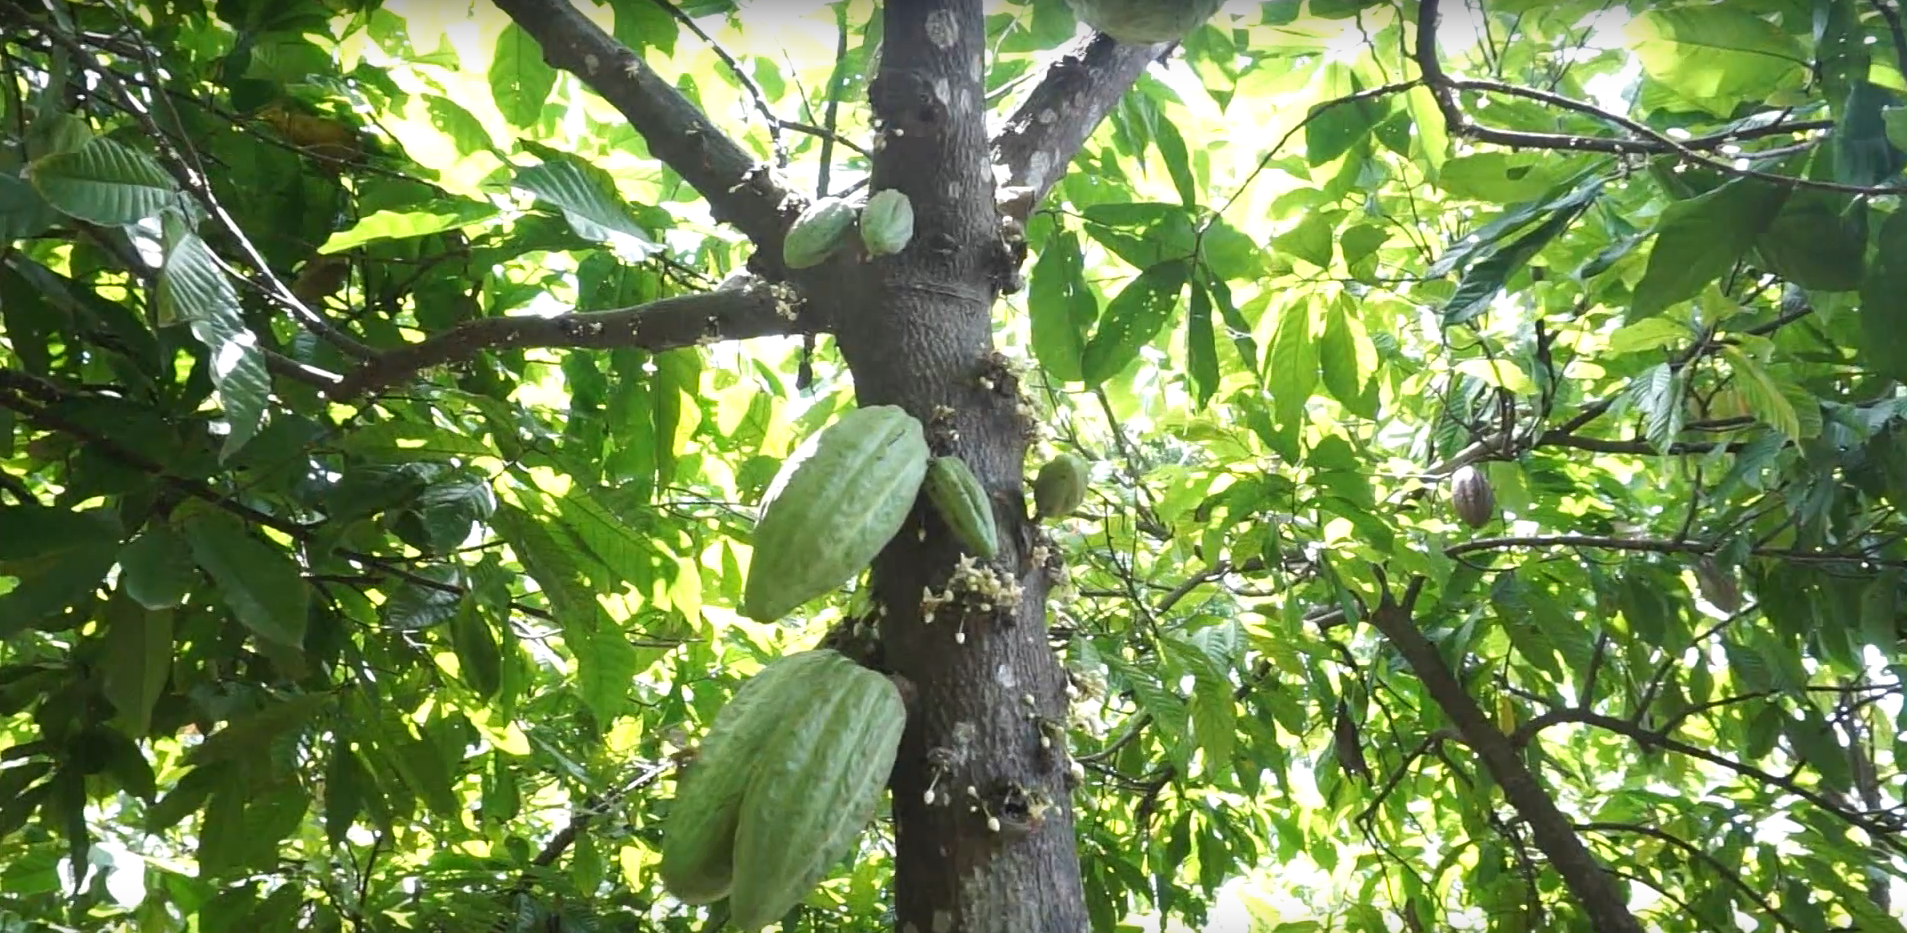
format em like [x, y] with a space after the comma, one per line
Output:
[887, 222]
[814, 789]
[1470, 492]
[842, 496]
[1717, 585]
[1060, 488]
[817, 233]
[963, 504]
[698, 836]
[1144, 22]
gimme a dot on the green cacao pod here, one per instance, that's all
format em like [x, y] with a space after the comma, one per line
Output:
[887, 222]
[1472, 496]
[698, 836]
[1144, 22]
[963, 504]
[817, 233]
[833, 506]
[814, 789]
[1060, 488]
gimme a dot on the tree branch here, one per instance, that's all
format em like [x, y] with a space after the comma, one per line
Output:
[759, 309]
[740, 189]
[1553, 832]
[1882, 834]
[741, 74]
[1646, 141]
[1082, 84]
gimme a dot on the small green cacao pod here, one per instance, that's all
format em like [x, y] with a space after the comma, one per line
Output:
[963, 504]
[1472, 496]
[817, 233]
[1717, 585]
[815, 789]
[842, 496]
[1060, 488]
[1144, 22]
[698, 835]
[887, 222]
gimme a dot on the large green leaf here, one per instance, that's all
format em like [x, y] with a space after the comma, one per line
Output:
[57, 556]
[105, 182]
[1700, 239]
[195, 289]
[260, 584]
[1132, 319]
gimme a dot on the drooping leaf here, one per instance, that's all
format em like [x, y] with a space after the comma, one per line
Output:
[261, 585]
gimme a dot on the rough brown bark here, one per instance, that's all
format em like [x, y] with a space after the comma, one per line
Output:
[922, 340]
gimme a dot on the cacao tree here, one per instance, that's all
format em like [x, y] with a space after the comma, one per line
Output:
[1297, 465]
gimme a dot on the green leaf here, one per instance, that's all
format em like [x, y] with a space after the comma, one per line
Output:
[1201, 347]
[520, 80]
[1817, 744]
[58, 556]
[1717, 54]
[1648, 334]
[1483, 280]
[435, 217]
[1884, 302]
[245, 736]
[24, 213]
[1700, 239]
[1215, 723]
[156, 568]
[1863, 154]
[194, 288]
[104, 182]
[605, 664]
[479, 659]
[588, 199]
[1337, 359]
[1818, 241]
[1291, 368]
[1334, 126]
[418, 604]
[447, 510]
[1132, 319]
[1762, 395]
[346, 782]
[1313, 240]
[137, 662]
[262, 586]
[1895, 120]
[1165, 136]
[1060, 306]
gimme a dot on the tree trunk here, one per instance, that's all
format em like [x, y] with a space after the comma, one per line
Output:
[916, 331]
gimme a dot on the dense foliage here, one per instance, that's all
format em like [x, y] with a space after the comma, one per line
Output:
[376, 478]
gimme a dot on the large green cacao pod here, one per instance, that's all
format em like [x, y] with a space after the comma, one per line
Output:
[815, 788]
[834, 505]
[887, 222]
[817, 233]
[1144, 22]
[1060, 488]
[698, 836]
[1472, 496]
[963, 504]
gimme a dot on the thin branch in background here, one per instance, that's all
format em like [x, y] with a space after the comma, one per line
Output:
[747, 80]
[1444, 88]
